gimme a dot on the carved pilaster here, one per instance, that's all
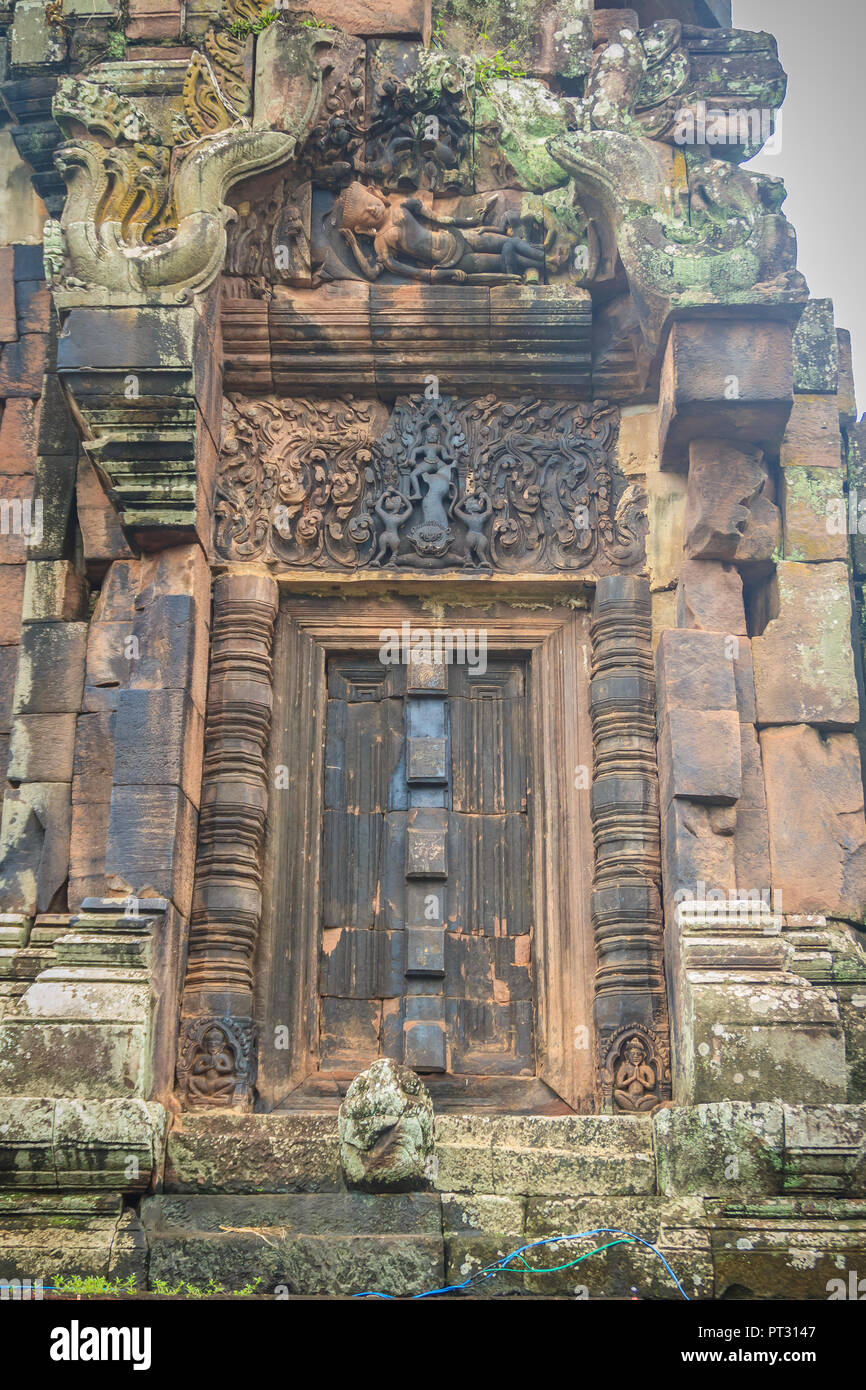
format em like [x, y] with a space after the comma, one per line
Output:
[217, 1004]
[630, 1005]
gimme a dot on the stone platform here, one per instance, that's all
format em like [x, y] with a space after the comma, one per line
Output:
[743, 1200]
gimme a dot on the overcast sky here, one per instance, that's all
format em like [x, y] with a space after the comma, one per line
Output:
[822, 46]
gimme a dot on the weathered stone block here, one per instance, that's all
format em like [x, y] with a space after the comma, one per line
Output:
[54, 591]
[115, 1144]
[674, 1228]
[8, 320]
[8, 670]
[725, 503]
[803, 660]
[812, 438]
[18, 437]
[541, 1155]
[11, 601]
[825, 1149]
[710, 598]
[728, 1149]
[464, 1214]
[172, 647]
[34, 846]
[35, 39]
[51, 668]
[26, 1142]
[815, 511]
[752, 832]
[54, 492]
[230, 1152]
[760, 1038]
[700, 755]
[372, 18]
[22, 365]
[88, 843]
[724, 378]
[20, 520]
[666, 509]
[464, 1154]
[312, 1243]
[151, 843]
[694, 671]
[698, 849]
[846, 399]
[94, 757]
[41, 748]
[159, 738]
[101, 531]
[817, 827]
[816, 354]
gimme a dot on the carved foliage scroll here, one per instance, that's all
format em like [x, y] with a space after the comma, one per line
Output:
[485, 485]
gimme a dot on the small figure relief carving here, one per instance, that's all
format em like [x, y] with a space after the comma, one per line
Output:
[635, 1087]
[481, 486]
[479, 247]
[636, 1074]
[216, 1063]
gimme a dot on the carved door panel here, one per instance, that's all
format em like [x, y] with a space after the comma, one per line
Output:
[426, 874]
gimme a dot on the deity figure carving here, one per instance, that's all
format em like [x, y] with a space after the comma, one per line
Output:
[216, 1061]
[635, 1074]
[635, 1087]
[411, 241]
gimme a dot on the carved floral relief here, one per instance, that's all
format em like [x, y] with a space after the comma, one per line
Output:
[484, 485]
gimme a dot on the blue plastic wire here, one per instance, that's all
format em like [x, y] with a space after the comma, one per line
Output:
[502, 1264]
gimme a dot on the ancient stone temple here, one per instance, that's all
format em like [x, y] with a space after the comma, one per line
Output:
[431, 656]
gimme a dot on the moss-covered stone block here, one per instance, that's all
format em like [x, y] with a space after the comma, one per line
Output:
[719, 1150]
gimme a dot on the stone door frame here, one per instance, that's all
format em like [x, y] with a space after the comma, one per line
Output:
[555, 640]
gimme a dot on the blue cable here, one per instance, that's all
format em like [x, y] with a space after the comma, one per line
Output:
[548, 1240]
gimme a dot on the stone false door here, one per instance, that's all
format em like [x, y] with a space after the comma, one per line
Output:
[426, 897]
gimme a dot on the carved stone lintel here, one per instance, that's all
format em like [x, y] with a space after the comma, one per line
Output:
[227, 900]
[485, 485]
[630, 1001]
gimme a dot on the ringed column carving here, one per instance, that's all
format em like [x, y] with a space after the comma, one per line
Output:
[630, 1003]
[217, 1051]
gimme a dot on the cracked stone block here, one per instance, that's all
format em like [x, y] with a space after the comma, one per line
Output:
[728, 514]
[710, 597]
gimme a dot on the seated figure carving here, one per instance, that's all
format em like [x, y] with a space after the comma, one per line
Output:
[635, 1082]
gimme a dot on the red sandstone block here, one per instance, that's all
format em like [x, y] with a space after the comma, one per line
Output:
[153, 19]
[18, 430]
[33, 306]
[94, 757]
[41, 748]
[151, 843]
[22, 366]
[88, 840]
[101, 531]
[726, 378]
[11, 598]
[18, 518]
[812, 438]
